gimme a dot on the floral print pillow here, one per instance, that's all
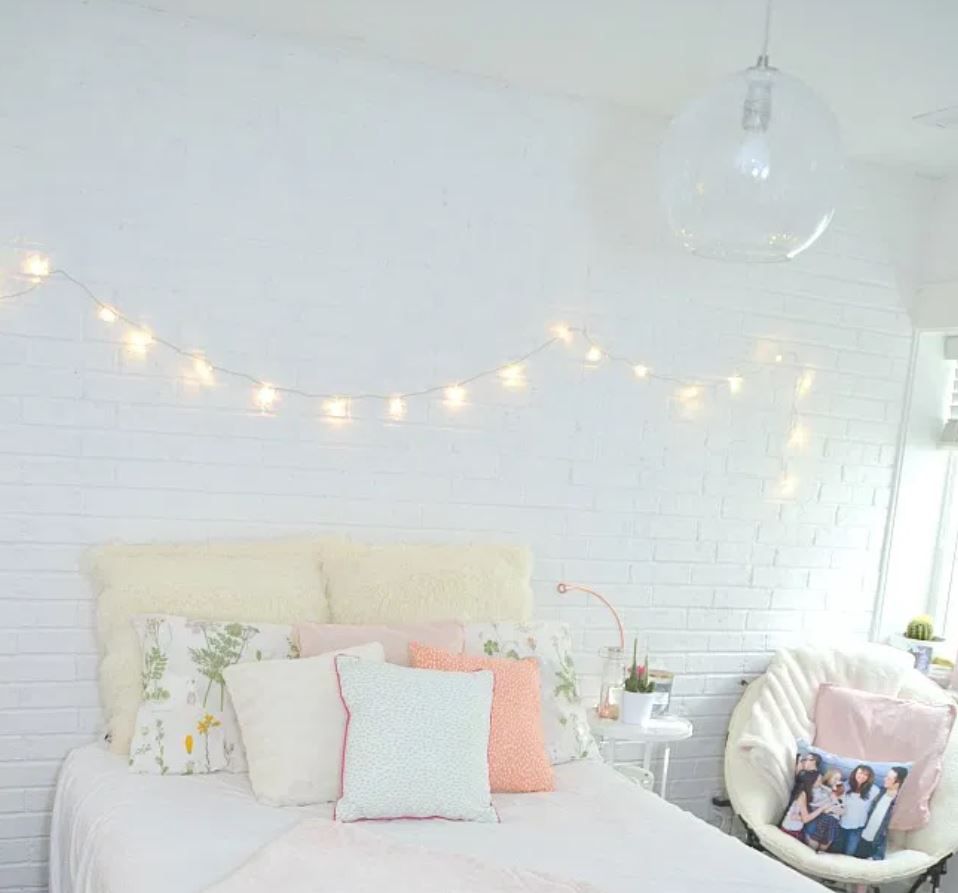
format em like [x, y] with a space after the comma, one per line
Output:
[564, 719]
[186, 723]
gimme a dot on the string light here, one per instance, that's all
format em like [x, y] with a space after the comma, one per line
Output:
[513, 375]
[396, 407]
[138, 341]
[337, 408]
[36, 266]
[455, 396]
[265, 397]
[562, 332]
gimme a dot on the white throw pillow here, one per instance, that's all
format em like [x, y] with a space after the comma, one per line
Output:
[565, 724]
[186, 724]
[417, 743]
[293, 723]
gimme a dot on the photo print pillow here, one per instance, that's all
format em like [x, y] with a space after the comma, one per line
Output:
[842, 804]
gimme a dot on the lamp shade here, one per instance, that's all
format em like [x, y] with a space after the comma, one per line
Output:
[751, 170]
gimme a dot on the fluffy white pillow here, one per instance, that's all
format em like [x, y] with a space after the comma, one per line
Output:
[424, 582]
[417, 743]
[251, 582]
[293, 723]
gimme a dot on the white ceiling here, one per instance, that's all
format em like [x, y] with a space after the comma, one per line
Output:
[877, 62]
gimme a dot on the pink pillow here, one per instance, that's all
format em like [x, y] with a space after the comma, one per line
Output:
[518, 762]
[878, 727]
[320, 638]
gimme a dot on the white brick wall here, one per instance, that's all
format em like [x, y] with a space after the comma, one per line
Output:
[332, 221]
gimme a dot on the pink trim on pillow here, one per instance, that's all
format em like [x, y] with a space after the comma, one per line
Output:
[349, 716]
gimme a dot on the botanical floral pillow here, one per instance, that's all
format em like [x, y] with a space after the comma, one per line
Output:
[186, 723]
[564, 720]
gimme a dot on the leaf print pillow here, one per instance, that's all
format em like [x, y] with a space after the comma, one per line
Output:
[186, 723]
[564, 720]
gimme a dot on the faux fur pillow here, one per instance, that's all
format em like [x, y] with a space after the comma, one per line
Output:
[423, 583]
[276, 582]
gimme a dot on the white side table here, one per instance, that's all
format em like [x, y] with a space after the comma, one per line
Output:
[661, 731]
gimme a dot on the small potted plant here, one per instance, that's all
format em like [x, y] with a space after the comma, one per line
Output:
[919, 639]
[638, 696]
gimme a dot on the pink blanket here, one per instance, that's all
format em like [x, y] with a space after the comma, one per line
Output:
[321, 855]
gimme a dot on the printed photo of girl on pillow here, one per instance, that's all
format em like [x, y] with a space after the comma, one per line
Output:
[842, 805]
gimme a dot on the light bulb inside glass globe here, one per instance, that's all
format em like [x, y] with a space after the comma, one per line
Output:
[751, 170]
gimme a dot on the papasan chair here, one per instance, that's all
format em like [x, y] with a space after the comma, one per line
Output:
[777, 709]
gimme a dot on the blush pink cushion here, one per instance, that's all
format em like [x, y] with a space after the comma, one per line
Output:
[321, 638]
[518, 762]
[878, 727]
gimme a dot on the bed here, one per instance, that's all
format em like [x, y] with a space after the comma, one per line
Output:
[117, 832]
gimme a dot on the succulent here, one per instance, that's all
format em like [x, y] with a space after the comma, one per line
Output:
[921, 628]
[638, 681]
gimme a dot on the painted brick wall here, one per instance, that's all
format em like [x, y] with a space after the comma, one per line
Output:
[336, 222]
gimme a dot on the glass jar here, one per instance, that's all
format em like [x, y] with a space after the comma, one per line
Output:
[610, 692]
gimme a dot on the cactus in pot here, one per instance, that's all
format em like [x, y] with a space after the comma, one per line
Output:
[921, 628]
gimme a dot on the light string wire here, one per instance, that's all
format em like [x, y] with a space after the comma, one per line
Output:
[563, 335]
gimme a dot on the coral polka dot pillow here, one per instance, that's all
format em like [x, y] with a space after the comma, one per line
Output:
[518, 761]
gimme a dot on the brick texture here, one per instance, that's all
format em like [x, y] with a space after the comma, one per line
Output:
[344, 224]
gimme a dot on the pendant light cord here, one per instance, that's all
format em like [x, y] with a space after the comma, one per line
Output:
[763, 58]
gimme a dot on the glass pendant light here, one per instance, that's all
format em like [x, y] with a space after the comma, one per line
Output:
[751, 170]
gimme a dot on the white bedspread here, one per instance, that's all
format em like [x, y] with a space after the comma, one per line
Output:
[117, 832]
[361, 858]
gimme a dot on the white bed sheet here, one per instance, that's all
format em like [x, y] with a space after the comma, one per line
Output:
[118, 832]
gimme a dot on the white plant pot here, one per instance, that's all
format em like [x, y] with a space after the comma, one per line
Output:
[636, 707]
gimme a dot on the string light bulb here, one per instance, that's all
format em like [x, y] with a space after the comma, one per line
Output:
[804, 383]
[36, 266]
[735, 383]
[265, 396]
[396, 407]
[779, 358]
[107, 314]
[203, 369]
[455, 396]
[337, 408]
[798, 436]
[593, 354]
[562, 332]
[513, 375]
[138, 341]
[690, 393]
[787, 485]
[641, 371]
